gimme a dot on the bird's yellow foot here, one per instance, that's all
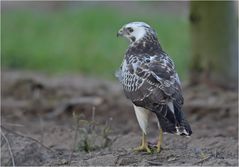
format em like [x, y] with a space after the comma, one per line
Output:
[160, 140]
[158, 147]
[143, 147]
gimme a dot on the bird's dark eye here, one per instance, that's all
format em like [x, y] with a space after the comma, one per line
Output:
[130, 29]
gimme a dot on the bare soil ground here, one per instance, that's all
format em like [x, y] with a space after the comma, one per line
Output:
[77, 120]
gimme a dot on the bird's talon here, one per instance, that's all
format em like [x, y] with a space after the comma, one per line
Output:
[143, 148]
[158, 148]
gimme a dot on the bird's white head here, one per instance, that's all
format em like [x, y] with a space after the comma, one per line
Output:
[135, 31]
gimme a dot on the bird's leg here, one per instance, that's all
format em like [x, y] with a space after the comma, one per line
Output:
[144, 146]
[160, 140]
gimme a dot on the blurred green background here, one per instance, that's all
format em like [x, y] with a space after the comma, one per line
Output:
[80, 37]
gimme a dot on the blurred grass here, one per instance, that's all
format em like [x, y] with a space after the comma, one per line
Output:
[83, 40]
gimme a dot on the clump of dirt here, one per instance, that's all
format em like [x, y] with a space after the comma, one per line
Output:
[78, 120]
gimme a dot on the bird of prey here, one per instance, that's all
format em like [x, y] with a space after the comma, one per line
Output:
[150, 81]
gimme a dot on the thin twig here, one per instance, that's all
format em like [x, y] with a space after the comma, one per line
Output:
[93, 120]
[202, 160]
[75, 136]
[27, 137]
[93, 113]
[41, 128]
[9, 148]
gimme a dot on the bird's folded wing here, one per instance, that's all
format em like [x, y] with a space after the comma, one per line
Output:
[149, 80]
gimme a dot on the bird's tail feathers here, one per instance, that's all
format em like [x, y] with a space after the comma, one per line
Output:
[173, 121]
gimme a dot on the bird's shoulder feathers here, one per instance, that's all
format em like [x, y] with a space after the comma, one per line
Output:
[144, 75]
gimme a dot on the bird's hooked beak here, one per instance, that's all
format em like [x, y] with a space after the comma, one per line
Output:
[120, 32]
